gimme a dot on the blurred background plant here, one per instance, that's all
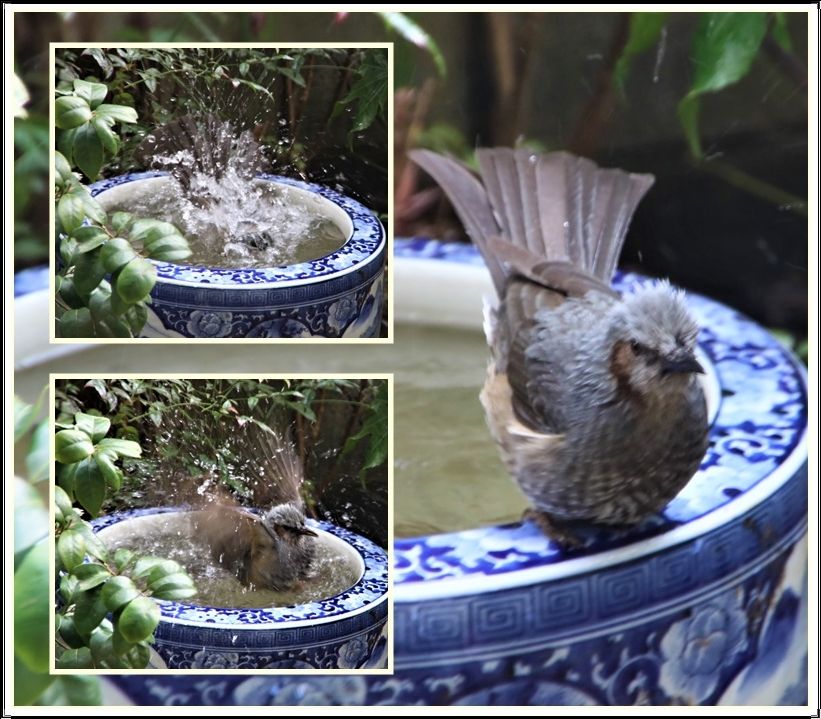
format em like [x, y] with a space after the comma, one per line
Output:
[714, 104]
[189, 432]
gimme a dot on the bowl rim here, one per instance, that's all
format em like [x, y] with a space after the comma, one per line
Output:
[451, 573]
[370, 590]
[365, 245]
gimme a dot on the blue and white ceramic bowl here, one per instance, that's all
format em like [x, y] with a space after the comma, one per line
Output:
[338, 295]
[345, 631]
[704, 604]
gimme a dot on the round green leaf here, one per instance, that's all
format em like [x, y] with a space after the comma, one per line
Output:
[71, 445]
[71, 209]
[92, 92]
[138, 656]
[116, 253]
[95, 546]
[138, 619]
[67, 630]
[136, 279]
[28, 685]
[123, 447]
[122, 558]
[170, 248]
[63, 502]
[88, 237]
[62, 170]
[71, 111]
[89, 611]
[71, 548]
[76, 323]
[173, 586]
[119, 113]
[94, 426]
[121, 221]
[32, 608]
[117, 592]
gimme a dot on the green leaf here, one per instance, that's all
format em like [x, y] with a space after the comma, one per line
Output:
[32, 608]
[68, 588]
[724, 47]
[71, 445]
[170, 248]
[117, 592]
[76, 323]
[122, 558]
[95, 546]
[75, 659]
[121, 221]
[28, 685]
[87, 151]
[78, 690]
[37, 458]
[25, 415]
[107, 137]
[645, 28]
[90, 575]
[145, 565]
[70, 112]
[62, 170]
[89, 611]
[92, 92]
[71, 209]
[118, 113]
[173, 586]
[67, 630]
[137, 316]
[89, 486]
[123, 447]
[89, 237]
[31, 519]
[369, 91]
[112, 475]
[117, 253]
[415, 35]
[89, 271]
[94, 426]
[63, 501]
[781, 32]
[135, 280]
[138, 619]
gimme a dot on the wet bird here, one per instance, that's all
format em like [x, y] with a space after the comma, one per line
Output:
[275, 549]
[591, 397]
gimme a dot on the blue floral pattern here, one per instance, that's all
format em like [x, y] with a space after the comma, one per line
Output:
[321, 297]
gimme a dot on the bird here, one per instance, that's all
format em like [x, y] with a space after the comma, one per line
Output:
[591, 397]
[274, 549]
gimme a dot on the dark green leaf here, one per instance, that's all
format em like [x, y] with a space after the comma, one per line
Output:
[95, 546]
[170, 248]
[121, 221]
[781, 32]
[173, 586]
[117, 253]
[135, 280]
[70, 112]
[138, 619]
[32, 608]
[89, 237]
[75, 659]
[76, 323]
[90, 575]
[94, 426]
[107, 137]
[645, 28]
[89, 611]
[724, 47]
[71, 209]
[88, 151]
[28, 685]
[102, 61]
[89, 486]
[117, 592]
[63, 501]
[68, 588]
[122, 558]
[67, 630]
[62, 170]
[112, 475]
[136, 316]
[71, 445]
[88, 271]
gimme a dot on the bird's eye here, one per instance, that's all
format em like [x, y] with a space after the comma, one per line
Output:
[636, 347]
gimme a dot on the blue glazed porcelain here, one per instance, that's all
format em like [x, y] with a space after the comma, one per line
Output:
[345, 631]
[705, 603]
[338, 295]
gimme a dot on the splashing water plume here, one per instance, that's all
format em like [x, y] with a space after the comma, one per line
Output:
[230, 218]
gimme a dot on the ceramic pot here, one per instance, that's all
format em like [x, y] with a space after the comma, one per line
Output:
[345, 631]
[337, 295]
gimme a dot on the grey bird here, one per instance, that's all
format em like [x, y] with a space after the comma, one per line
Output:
[591, 397]
[274, 550]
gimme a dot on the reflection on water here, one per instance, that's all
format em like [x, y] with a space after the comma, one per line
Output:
[448, 475]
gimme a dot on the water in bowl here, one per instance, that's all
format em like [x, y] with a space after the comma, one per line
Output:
[233, 223]
[177, 538]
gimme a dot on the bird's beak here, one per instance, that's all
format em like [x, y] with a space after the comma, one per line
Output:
[681, 365]
[307, 532]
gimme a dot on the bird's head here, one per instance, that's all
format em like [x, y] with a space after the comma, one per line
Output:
[653, 339]
[287, 521]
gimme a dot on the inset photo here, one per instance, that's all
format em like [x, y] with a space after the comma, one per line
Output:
[221, 193]
[222, 524]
